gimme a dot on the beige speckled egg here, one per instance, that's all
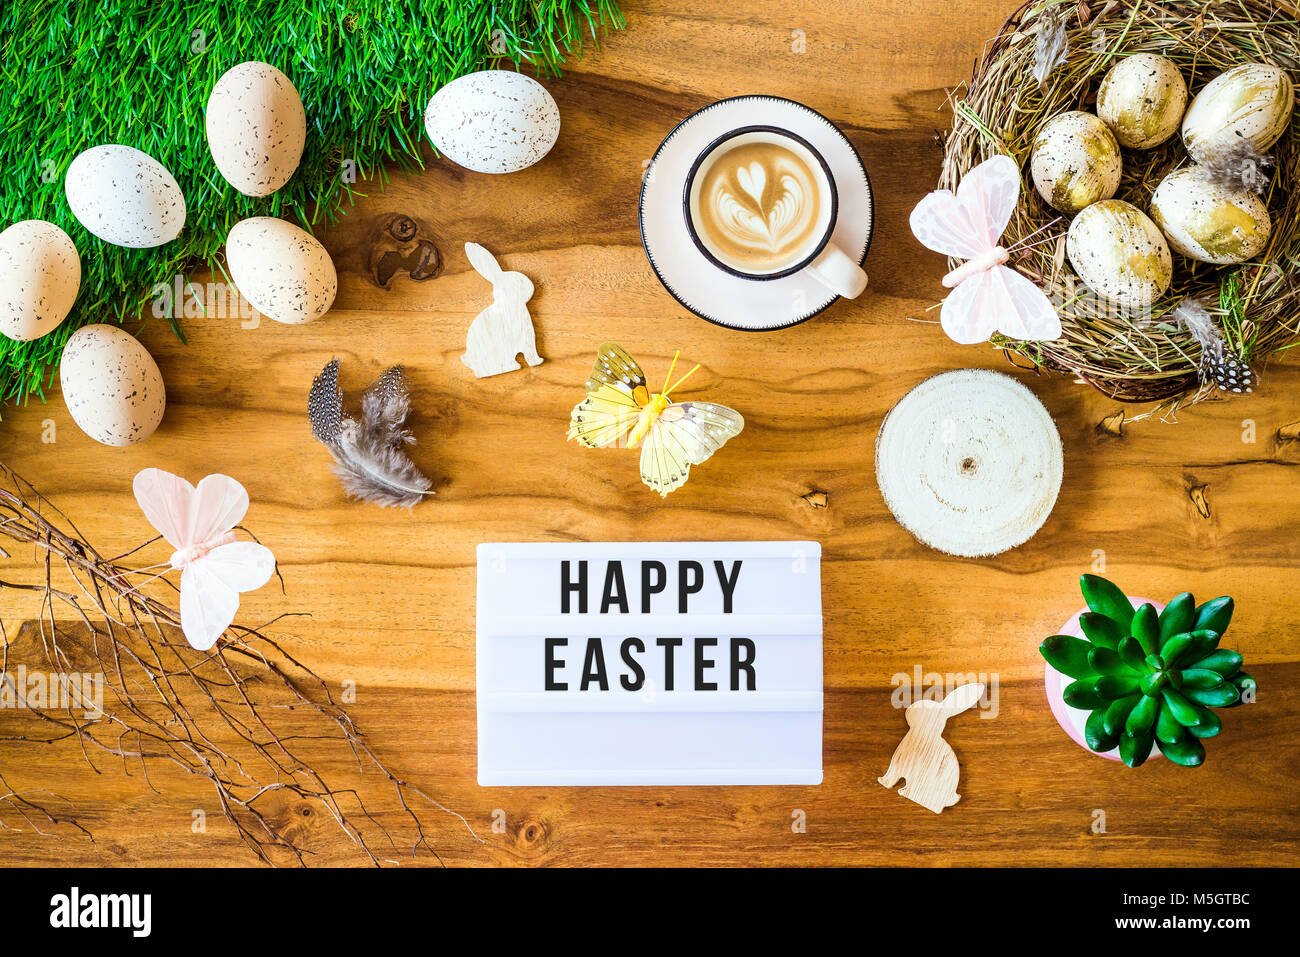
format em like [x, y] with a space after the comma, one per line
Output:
[111, 385]
[1208, 222]
[256, 127]
[125, 197]
[1252, 102]
[282, 270]
[493, 121]
[1142, 100]
[1120, 254]
[1075, 162]
[40, 273]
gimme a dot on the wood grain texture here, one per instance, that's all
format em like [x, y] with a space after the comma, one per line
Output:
[1208, 504]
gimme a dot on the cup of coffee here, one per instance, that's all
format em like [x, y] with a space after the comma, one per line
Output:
[760, 203]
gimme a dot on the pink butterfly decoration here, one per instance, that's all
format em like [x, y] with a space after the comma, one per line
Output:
[199, 524]
[987, 296]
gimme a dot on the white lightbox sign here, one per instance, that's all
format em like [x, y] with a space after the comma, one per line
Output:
[664, 663]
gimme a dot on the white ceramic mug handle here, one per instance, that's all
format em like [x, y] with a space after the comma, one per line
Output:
[834, 269]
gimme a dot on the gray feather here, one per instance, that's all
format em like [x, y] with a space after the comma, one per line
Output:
[1193, 315]
[1218, 364]
[369, 456]
[384, 407]
[1051, 45]
[325, 404]
[1242, 167]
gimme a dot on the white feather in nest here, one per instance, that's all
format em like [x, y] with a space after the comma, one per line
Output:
[1051, 46]
[369, 456]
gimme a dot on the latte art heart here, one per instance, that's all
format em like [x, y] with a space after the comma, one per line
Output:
[759, 207]
[753, 181]
[764, 226]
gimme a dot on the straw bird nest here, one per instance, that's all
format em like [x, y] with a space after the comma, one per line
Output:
[1153, 357]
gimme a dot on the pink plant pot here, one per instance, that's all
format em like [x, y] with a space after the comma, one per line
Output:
[1070, 719]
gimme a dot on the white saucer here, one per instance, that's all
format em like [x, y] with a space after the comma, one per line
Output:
[696, 283]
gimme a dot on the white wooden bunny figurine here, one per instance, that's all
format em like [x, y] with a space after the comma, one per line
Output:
[923, 757]
[504, 329]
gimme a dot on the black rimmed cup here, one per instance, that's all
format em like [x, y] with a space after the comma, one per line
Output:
[822, 259]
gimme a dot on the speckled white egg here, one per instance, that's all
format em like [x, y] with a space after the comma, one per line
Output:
[1208, 222]
[1075, 162]
[256, 127]
[111, 385]
[40, 273]
[1142, 100]
[494, 121]
[125, 197]
[282, 270]
[1251, 102]
[1120, 254]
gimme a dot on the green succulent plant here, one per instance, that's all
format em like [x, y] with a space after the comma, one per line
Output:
[1148, 677]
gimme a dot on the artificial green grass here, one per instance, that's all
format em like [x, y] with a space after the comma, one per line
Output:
[80, 73]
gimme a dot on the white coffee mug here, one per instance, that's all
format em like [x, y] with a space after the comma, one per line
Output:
[820, 258]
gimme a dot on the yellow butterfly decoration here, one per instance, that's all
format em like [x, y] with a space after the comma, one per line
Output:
[619, 408]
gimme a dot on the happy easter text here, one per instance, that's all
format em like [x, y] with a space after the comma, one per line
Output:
[703, 666]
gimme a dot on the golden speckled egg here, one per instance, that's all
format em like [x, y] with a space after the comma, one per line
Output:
[124, 196]
[111, 385]
[1142, 100]
[1208, 222]
[256, 127]
[1075, 162]
[1120, 254]
[40, 273]
[1252, 102]
[282, 270]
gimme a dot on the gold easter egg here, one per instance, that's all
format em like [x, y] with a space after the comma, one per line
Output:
[1120, 254]
[1142, 100]
[1075, 162]
[1209, 222]
[1252, 102]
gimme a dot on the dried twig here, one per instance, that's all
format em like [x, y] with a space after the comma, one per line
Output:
[220, 715]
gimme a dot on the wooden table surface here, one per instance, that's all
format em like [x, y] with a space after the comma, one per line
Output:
[1207, 504]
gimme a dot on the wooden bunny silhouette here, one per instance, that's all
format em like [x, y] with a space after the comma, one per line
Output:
[923, 757]
[504, 329]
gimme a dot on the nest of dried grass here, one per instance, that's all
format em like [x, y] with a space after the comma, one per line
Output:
[1147, 358]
